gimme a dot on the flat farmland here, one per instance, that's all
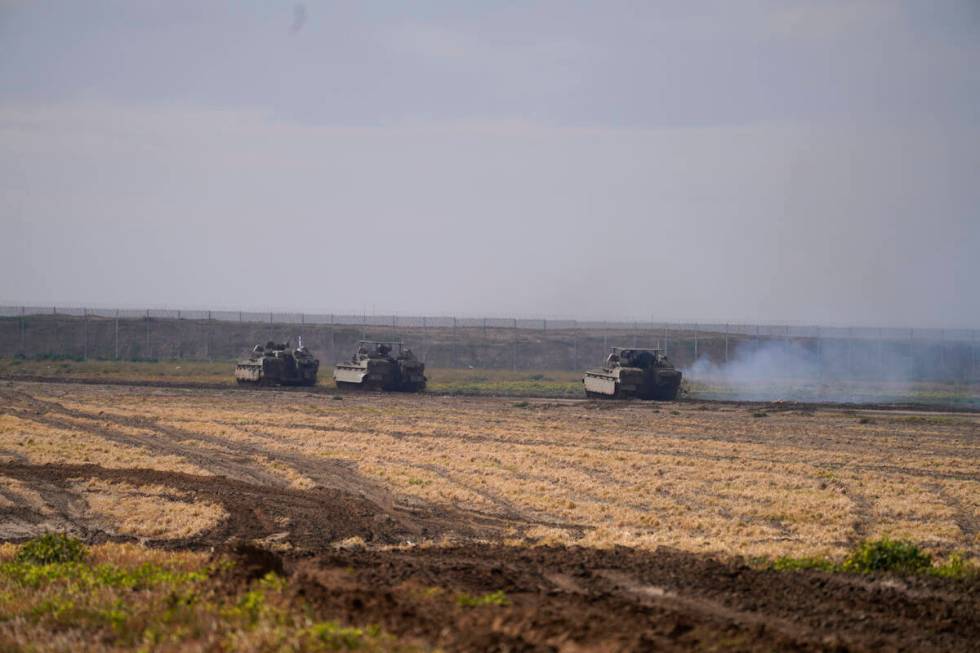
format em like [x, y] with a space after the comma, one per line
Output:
[663, 514]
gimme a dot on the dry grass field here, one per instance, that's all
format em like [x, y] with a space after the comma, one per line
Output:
[267, 520]
[711, 478]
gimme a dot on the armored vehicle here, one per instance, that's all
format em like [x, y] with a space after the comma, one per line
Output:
[381, 366]
[633, 372]
[277, 364]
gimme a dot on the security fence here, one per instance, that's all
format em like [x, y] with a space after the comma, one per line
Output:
[488, 343]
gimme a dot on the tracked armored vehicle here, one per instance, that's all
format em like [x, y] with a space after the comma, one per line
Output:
[381, 366]
[633, 372]
[277, 364]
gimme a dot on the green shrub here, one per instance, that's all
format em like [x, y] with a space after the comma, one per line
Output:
[887, 555]
[51, 548]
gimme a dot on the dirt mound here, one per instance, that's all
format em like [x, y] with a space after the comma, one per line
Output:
[545, 599]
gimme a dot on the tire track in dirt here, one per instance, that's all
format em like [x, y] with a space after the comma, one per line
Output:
[509, 513]
[963, 517]
[338, 475]
[313, 518]
[217, 462]
[183, 443]
[679, 452]
[862, 509]
[414, 517]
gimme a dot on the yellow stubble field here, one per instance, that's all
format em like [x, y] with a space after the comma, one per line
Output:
[723, 478]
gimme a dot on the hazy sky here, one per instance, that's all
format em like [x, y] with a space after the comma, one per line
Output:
[813, 162]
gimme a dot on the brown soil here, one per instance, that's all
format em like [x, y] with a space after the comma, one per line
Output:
[625, 600]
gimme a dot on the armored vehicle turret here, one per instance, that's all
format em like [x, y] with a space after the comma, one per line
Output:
[277, 364]
[633, 372]
[381, 366]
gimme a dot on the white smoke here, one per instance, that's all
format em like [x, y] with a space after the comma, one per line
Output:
[787, 371]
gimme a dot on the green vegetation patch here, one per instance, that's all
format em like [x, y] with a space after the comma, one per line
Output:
[883, 555]
[491, 598]
[51, 548]
[787, 563]
[51, 589]
[887, 555]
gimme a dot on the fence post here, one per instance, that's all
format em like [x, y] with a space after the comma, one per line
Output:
[974, 348]
[695, 341]
[84, 334]
[270, 317]
[23, 332]
[302, 318]
[115, 340]
[942, 351]
[726, 343]
[666, 339]
[575, 349]
[819, 349]
[452, 359]
[149, 352]
[881, 357]
[210, 329]
[514, 357]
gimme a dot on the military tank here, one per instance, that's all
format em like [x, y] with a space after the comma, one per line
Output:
[381, 365]
[633, 372]
[277, 364]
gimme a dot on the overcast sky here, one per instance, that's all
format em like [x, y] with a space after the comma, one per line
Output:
[810, 162]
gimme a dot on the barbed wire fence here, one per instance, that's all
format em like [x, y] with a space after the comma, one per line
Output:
[491, 342]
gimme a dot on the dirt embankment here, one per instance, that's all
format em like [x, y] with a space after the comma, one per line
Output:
[570, 599]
